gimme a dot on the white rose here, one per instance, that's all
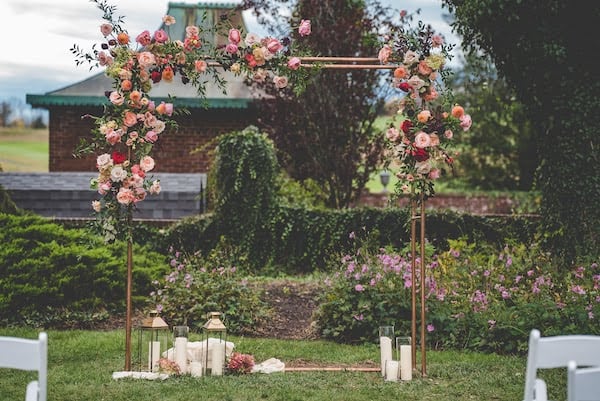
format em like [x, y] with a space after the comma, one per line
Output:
[118, 174]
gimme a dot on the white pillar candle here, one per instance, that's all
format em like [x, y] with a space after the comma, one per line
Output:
[385, 344]
[196, 368]
[218, 352]
[405, 362]
[181, 353]
[153, 355]
[391, 371]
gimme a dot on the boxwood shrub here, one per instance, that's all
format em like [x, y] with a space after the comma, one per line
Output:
[47, 271]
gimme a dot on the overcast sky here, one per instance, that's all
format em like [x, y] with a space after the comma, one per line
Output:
[37, 35]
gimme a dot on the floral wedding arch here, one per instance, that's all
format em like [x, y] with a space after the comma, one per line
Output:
[123, 137]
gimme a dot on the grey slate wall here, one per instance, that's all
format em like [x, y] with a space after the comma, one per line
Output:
[67, 194]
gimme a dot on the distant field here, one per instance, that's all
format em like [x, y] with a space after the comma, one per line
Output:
[24, 149]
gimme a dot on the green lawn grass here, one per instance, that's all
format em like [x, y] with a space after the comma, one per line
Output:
[24, 150]
[81, 364]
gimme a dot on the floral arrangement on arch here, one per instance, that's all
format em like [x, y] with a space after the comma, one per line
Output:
[421, 138]
[123, 138]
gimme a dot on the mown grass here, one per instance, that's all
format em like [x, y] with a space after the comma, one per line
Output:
[24, 149]
[81, 364]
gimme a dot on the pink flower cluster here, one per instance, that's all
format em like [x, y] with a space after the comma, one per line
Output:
[240, 363]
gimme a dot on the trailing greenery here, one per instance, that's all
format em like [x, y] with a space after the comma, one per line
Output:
[478, 297]
[553, 78]
[302, 240]
[6, 203]
[245, 169]
[50, 275]
[82, 362]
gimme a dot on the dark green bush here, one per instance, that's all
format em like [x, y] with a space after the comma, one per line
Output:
[302, 240]
[6, 203]
[46, 268]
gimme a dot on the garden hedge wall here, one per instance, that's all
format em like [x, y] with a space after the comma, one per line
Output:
[302, 240]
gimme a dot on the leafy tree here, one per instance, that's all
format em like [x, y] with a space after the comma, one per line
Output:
[500, 153]
[542, 48]
[327, 133]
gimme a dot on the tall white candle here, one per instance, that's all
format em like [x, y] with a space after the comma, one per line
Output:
[181, 353]
[391, 371]
[153, 355]
[405, 362]
[385, 343]
[218, 353]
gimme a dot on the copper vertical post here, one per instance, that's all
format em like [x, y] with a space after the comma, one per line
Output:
[423, 322]
[128, 301]
[413, 250]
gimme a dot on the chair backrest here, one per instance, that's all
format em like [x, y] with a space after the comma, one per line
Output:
[583, 384]
[26, 354]
[557, 352]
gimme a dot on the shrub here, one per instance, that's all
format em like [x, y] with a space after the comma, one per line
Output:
[48, 272]
[6, 203]
[478, 297]
[196, 286]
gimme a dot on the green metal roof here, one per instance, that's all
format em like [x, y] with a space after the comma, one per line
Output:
[193, 103]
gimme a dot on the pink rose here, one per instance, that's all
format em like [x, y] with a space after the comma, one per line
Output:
[125, 196]
[200, 65]
[231, 48]
[273, 45]
[252, 39]
[392, 134]
[465, 122]
[113, 137]
[106, 29]
[147, 163]
[305, 28]
[234, 36]
[448, 134]
[422, 140]
[151, 136]
[191, 31]
[384, 54]
[280, 82]
[165, 108]
[140, 194]
[161, 36]
[434, 174]
[168, 20]
[149, 119]
[437, 41]
[144, 38]
[137, 170]
[294, 63]
[103, 161]
[104, 59]
[424, 116]
[116, 98]
[104, 187]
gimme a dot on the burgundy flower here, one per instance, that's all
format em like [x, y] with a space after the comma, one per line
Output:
[118, 157]
[156, 76]
[404, 86]
[406, 126]
[421, 155]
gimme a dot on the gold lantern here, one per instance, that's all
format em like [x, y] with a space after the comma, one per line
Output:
[214, 338]
[153, 339]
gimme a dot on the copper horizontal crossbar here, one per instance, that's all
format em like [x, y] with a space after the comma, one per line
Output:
[336, 63]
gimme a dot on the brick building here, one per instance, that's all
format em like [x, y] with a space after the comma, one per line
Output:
[219, 113]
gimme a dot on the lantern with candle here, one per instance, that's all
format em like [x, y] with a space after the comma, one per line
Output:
[153, 338]
[214, 338]
[180, 341]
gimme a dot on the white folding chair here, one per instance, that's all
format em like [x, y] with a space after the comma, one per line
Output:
[25, 354]
[583, 384]
[556, 352]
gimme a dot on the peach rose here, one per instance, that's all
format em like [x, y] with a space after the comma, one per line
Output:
[465, 122]
[126, 85]
[165, 108]
[130, 119]
[392, 134]
[458, 111]
[135, 96]
[280, 82]
[151, 136]
[125, 196]
[424, 69]
[384, 54]
[410, 57]
[116, 98]
[146, 59]
[400, 72]
[106, 29]
[123, 38]
[168, 20]
[113, 136]
[435, 139]
[424, 116]
[168, 74]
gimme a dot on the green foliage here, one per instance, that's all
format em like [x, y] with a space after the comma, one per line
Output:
[552, 76]
[302, 240]
[478, 297]
[6, 203]
[245, 171]
[196, 286]
[49, 273]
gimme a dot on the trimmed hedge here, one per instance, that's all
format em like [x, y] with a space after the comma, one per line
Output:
[47, 269]
[302, 240]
